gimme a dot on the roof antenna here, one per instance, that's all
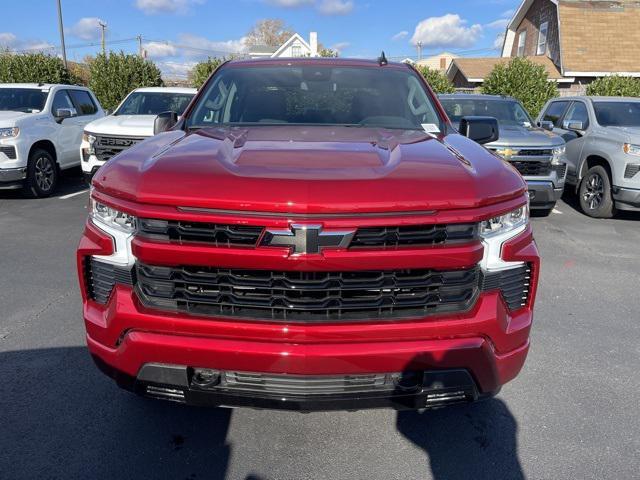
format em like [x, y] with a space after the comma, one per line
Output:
[382, 59]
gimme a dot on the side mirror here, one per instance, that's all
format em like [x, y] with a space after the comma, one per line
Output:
[62, 113]
[164, 122]
[480, 129]
[546, 124]
[577, 127]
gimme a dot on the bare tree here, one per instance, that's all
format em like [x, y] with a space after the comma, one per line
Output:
[269, 31]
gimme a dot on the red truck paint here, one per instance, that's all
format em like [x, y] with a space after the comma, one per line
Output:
[337, 177]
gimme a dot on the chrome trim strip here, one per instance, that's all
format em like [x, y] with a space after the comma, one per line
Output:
[242, 213]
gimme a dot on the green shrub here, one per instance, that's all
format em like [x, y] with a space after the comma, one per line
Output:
[113, 76]
[33, 68]
[524, 80]
[201, 72]
[615, 86]
[438, 81]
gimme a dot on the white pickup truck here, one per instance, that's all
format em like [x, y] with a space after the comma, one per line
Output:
[129, 124]
[41, 129]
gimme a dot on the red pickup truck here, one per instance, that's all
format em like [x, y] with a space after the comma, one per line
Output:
[312, 234]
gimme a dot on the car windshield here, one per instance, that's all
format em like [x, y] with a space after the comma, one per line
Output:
[618, 114]
[507, 112]
[154, 103]
[28, 100]
[386, 97]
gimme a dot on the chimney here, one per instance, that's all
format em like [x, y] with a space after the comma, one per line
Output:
[313, 43]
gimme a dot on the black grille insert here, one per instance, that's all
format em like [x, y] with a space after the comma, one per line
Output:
[631, 170]
[307, 296]
[513, 283]
[9, 151]
[101, 277]
[418, 235]
[532, 168]
[217, 234]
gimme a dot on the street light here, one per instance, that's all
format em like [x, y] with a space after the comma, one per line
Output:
[64, 50]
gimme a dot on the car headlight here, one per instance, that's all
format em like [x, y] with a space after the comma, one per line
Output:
[9, 132]
[102, 214]
[631, 149]
[558, 155]
[506, 223]
[90, 139]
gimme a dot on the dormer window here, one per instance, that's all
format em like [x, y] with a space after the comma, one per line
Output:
[542, 39]
[522, 40]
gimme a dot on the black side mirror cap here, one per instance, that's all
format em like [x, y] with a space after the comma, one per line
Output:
[164, 122]
[480, 129]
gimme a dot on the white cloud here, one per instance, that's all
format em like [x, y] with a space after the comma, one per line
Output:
[290, 3]
[201, 46]
[160, 49]
[340, 46]
[499, 41]
[153, 7]
[400, 35]
[12, 42]
[171, 69]
[508, 13]
[87, 28]
[500, 23]
[446, 32]
[335, 7]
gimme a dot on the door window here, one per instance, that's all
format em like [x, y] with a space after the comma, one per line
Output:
[578, 113]
[61, 100]
[84, 102]
[554, 112]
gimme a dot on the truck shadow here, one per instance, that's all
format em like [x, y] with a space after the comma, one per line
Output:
[61, 418]
[571, 199]
[70, 181]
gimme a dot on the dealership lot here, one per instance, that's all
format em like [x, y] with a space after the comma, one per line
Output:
[572, 413]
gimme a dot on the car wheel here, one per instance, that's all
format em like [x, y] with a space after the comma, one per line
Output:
[595, 193]
[42, 174]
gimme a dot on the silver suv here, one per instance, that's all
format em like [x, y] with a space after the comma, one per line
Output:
[603, 150]
[536, 153]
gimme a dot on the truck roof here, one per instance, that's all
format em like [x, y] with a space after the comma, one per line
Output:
[167, 90]
[344, 62]
[40, 86]
[474, 96]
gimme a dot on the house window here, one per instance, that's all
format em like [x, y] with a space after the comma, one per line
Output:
[542, 39]
[296, 51]
[522, 40]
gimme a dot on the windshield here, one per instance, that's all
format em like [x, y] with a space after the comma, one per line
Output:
[315, 95]
[507, 112]
[28, 100]
[618, 114]
[154, 103]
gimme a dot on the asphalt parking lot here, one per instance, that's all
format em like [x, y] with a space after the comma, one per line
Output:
[572, 413]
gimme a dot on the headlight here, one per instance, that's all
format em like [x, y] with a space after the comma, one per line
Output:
[90, 139]
[631, 149]
[110, 217]
[559, 155]
[505, 223]
[9, 132]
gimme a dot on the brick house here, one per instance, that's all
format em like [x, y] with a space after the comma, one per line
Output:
[577, 40]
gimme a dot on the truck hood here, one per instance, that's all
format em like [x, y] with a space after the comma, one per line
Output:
[8, 118]
[127, 125]
[310, 170]
[517, 136]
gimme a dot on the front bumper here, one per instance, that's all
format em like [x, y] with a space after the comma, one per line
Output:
[627, 198]
[12, 177]
[543, 194]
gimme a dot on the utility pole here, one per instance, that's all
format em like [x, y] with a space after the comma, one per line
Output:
[139, 37]
[103, 26]
[419, 45]
[64, 50]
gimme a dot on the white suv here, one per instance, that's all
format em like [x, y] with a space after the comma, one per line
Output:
[41, 129]
[129, 124]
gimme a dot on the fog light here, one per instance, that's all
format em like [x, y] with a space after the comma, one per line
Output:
[205, 378]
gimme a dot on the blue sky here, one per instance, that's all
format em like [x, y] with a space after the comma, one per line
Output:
[177, 33]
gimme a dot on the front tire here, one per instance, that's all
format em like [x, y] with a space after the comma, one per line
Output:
[594, 194]
[42, 174]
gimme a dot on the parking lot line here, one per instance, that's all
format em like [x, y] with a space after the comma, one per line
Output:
[70, 195]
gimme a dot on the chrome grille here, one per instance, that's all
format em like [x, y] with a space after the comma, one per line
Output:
[307, 296]
[107, 147]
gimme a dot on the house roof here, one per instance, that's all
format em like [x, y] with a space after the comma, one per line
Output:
[476, 69]
[292, 39]
[262, 49]
[599, 36]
